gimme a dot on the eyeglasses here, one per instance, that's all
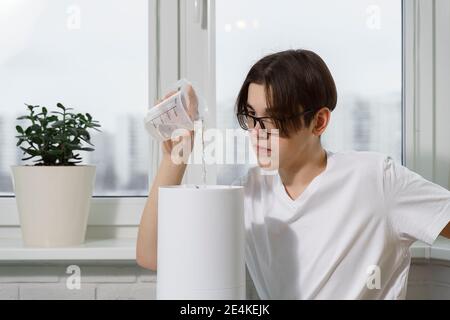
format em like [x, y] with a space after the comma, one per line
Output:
[248, 121]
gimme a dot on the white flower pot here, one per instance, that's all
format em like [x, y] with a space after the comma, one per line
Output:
[201, 238]
[53, 203]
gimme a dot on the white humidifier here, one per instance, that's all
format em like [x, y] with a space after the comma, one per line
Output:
[201, 239]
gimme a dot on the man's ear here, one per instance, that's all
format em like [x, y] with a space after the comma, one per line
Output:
[321, 120]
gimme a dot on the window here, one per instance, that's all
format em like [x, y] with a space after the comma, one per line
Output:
[89, 55]
[361, 42]
[94, 56]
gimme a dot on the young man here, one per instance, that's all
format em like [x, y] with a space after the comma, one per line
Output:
[327, 225]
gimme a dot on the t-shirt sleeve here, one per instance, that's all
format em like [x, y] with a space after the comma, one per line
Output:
[418, 209]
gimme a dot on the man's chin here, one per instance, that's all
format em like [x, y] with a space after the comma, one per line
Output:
[268, 163]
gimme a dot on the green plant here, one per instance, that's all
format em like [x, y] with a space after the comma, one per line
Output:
[55, 137]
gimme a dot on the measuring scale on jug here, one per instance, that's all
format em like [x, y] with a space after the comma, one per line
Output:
[164, 118]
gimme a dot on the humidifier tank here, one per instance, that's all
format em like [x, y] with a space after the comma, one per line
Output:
[201, 238]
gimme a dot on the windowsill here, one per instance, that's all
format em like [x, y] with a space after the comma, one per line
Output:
[125, 250]
[93, 249]
[440, 250]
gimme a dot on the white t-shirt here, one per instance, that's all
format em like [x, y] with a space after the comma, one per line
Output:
[347, 236]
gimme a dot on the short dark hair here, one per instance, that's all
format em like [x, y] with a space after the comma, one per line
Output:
[295, 81]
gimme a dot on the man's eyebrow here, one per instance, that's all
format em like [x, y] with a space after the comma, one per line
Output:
[248, 105]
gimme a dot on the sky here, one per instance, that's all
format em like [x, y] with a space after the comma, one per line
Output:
[88, 54]
[360, 40]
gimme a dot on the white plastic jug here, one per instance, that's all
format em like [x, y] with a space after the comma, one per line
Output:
[164, 118]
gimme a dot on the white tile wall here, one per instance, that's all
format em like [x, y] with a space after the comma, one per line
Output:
[121, 291]
[9, 291]
[427, 280]
[106, 281]
[55, 291]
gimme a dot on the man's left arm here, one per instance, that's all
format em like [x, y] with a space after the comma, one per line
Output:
[446, 231]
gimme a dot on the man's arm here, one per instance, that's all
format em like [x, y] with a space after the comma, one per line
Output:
[446, 231]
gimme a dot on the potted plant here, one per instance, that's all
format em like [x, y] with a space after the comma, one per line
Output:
[53, 194]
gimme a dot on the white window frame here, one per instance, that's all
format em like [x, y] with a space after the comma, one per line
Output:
[426, 72]
[197, 63]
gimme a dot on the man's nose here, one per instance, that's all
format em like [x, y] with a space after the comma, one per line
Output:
[260, 134]
[257, 126]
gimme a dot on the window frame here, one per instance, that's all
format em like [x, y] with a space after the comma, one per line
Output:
[425, 46]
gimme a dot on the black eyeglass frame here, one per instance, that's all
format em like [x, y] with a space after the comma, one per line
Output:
[260, 119]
